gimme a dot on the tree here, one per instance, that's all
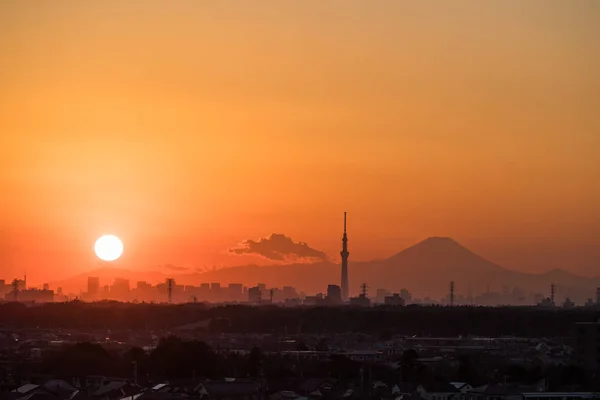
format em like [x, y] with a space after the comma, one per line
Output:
[255, 361]
[80, 359]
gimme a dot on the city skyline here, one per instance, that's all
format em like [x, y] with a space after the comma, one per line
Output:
[188, 128]
[405, 274]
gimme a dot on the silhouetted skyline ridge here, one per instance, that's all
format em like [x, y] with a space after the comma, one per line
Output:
[425, 268]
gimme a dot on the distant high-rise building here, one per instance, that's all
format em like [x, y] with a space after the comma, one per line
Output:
[36, 296]
[394, 300]
[334, 295]
[204, 291]
[170, 285]
[45, 286]
[406, 295]
[235, 291]
[254, 295]
[143, 286]
[120, 289]
[216, 294]
[381, 295]
[344, 253]
[93, 285]
[315, 300]
[289, 292]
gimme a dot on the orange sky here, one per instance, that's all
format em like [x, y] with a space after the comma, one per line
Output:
[185, 127]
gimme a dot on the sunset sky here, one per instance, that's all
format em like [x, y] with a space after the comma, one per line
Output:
[186, 127]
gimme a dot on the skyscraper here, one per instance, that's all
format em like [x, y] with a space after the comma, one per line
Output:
[344, 253]
[93, 286]
[334, 295]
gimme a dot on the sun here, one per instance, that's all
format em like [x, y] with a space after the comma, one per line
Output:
[108, 248]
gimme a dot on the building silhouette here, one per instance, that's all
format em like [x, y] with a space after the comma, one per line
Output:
[93, 285]
[35, 295]
[344, 253]
[394, 300]
[334, 295]
[289, 292]
[235, 291]
[254, 295]
[363, 299]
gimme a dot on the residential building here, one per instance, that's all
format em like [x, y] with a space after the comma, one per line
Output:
[93, 285]
[334, 295]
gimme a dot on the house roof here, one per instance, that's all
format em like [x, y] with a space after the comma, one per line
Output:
[59, 386]
[496, 389]
[26, 388]
[286, 395]
[79, 395]
[458, 385]
[404, 388]
[149, 395]
[312, 384]
[109, 387]
[439, 387]
[235, 388]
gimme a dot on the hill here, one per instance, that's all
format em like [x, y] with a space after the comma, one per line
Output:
[425, 268]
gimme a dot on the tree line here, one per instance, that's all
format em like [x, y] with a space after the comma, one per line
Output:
[175, 358]
[410, 320]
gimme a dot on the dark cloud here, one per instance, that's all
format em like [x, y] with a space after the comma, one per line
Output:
[175, 267]
[279, 247]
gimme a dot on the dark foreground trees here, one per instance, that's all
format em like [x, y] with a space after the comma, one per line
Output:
[176, 358]
[411, 320]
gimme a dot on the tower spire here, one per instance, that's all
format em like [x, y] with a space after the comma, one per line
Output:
[344, 253]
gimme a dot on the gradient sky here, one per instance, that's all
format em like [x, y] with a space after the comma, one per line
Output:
[185, 127]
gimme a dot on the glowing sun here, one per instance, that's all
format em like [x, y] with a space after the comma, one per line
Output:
[108, 248]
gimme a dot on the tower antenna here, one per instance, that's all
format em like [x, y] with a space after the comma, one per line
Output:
[170, 289]
[344, 253]
[363, 290]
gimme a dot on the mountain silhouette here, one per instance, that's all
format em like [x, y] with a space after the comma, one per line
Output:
[426, 269]
[441, 252]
